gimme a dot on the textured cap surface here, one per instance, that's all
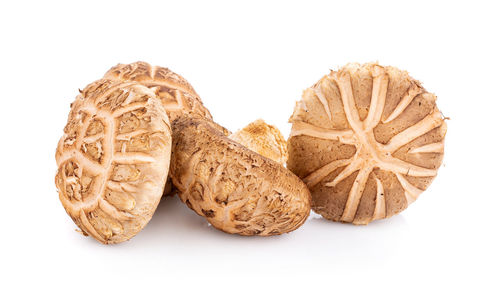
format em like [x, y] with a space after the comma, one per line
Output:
[367, 140]
[176, 94]
[236, 189]
[113, 159]
[264, 139]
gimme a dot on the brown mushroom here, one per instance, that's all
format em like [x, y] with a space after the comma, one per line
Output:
[264, 139]
[237, 190]
[367, 140]
[113, 159]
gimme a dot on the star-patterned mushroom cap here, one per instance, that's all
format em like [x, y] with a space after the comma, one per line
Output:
[367, 140]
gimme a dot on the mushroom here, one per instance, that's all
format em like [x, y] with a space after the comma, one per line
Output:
[264, 139]
[113, 159]
[367, 140]
[237, 190]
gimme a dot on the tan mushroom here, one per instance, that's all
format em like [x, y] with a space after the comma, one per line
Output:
[264, 139]
[237, 190]
[177, 96]
[367, 140]
[113, 159]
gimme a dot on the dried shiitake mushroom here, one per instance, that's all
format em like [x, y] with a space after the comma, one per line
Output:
[176, 94]
[235, 189]
[367, 140]
[264, 139]
[113, 159]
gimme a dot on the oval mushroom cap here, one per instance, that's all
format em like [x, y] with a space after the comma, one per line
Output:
[236, 189]
[367, 140]
[113, 159]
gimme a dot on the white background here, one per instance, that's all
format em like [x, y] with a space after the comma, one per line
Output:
[250, 61]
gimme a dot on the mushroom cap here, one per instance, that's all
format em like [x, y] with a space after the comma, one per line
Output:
[367, 140]
[264, 139]
[237, 190]
[176, 94]
[113, 159]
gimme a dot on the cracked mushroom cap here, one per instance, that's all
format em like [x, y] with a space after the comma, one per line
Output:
[176, 94]
[113, 159]
[237, 190]
[367, 140]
